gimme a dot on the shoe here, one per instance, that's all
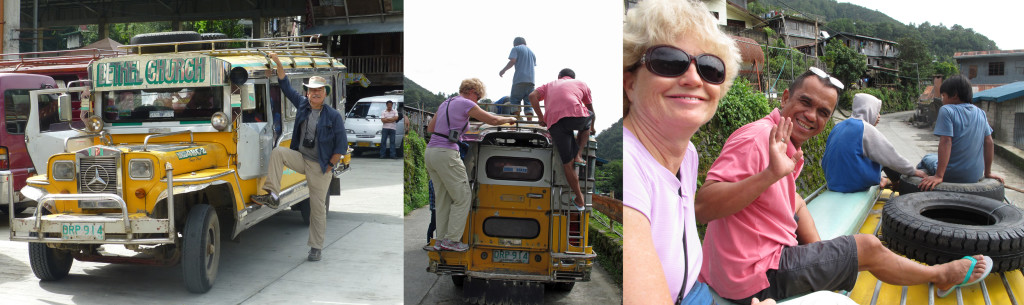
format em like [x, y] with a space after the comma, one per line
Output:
[267, 200]
[988, 269]
[314, 254]
[448, 245]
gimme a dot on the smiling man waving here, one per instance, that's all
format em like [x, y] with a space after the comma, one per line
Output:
[761, 241]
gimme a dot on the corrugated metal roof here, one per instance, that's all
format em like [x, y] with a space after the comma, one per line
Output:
[1001, 93]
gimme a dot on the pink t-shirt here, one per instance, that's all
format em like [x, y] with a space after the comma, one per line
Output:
[565, 97]
[459, 112]
[741, 247]
[667, 202]
[387, 115]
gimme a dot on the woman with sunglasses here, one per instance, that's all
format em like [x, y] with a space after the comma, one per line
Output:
[676, 67]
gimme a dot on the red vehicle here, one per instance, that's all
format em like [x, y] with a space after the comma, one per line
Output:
[14, 104]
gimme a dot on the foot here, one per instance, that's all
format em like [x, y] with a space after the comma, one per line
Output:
[314, 254]
[266, 199]
[450, 245]
[958, 273]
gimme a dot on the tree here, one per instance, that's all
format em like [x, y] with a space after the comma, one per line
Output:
[609, 178]
[844, 63]
[946, 68]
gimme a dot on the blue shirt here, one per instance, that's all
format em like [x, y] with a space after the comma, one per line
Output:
[968, 127]
[847, 167]
[525, 61]
[330, 129]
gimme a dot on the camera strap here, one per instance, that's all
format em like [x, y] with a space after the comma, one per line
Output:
[448, 120]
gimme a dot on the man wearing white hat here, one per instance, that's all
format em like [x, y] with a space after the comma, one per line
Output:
[318, 143]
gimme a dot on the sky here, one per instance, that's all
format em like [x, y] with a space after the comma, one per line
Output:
[995, 19]
[447, 41]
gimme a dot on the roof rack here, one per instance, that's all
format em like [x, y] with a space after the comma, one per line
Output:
[29, 60]
[304, 43]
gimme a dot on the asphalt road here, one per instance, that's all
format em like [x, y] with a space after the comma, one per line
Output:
[428, 288]
[267, 265]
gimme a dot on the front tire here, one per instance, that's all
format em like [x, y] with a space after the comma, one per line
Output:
[200, 249]
[49, 264]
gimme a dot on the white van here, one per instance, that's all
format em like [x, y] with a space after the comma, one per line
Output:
[364, 125]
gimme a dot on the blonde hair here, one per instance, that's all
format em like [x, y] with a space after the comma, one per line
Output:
[655, 22]
[473, 84]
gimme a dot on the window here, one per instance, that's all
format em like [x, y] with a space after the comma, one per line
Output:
[17, 107]
[735, 23]
[506, 227]
[715, 14]
[972, 71]
[162, 104]
[1020, 67]
[514, 168]
[996, 68]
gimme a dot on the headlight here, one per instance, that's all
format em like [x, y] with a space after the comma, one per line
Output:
[140, 169]
[63, 170]
[219, 121]
[350, 131]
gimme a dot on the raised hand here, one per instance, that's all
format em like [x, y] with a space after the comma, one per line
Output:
[779, 164]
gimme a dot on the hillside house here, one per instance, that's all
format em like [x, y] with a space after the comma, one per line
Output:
[998, 67]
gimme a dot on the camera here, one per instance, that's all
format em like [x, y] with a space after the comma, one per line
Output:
[453, 136]
[308, 143]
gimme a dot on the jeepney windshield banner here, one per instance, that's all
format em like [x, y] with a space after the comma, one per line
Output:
[165, 71]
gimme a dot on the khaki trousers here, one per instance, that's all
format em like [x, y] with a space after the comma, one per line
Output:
[316, 181]
[451, 191]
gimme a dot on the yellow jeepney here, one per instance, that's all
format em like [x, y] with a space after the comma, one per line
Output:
[524, 232]
[174, 145]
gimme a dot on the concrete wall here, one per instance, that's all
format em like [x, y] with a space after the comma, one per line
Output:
[12, 21]
[1001, 116]
[1013, 69]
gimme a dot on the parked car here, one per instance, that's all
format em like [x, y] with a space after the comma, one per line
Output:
[364, 125]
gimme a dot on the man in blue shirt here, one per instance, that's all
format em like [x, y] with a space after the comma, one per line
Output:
[522, 82]
[965, 139]
[318, 143]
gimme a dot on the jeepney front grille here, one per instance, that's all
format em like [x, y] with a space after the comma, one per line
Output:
[570, 276]
[98, 175]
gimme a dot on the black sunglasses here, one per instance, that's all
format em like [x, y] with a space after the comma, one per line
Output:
[669, 61]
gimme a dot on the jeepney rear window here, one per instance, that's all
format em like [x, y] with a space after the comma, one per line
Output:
[155, 105]
[514, 168]
[507, 227]
[17, 107]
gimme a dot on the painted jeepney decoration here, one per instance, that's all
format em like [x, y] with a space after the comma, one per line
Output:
[174, 145]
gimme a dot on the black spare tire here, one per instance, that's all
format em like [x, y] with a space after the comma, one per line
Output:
[987, 187]
[938, 227]
[163, 37]
[214, 36]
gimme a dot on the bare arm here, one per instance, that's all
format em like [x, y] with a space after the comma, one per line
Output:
[806, 232]
[535, 99]
[718, 199]
[591, 108]
[989, 151]
[511, 63]
[280, 68]
[945, 146]
[487, 117]
[643, 278]
[430, 126]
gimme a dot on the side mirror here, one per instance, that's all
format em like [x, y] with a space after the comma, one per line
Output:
[64, 107]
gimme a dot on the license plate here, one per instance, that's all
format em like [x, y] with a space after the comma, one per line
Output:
[363, 144]
[511, 256]
[82, 231]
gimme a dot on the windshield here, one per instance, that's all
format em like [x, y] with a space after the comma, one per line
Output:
[167, 104]
[367, 110]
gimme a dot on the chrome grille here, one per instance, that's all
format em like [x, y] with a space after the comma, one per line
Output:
[98, 175]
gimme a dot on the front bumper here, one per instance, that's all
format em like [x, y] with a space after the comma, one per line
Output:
[120, 228]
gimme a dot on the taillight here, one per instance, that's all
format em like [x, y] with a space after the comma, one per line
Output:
[5, 163]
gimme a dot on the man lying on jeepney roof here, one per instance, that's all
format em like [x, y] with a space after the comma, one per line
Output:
[856, 151]
[761, 241]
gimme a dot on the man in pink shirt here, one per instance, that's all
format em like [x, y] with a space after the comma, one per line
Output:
[568, 109]
[761, 241]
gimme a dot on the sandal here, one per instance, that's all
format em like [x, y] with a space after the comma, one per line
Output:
[988, 269]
